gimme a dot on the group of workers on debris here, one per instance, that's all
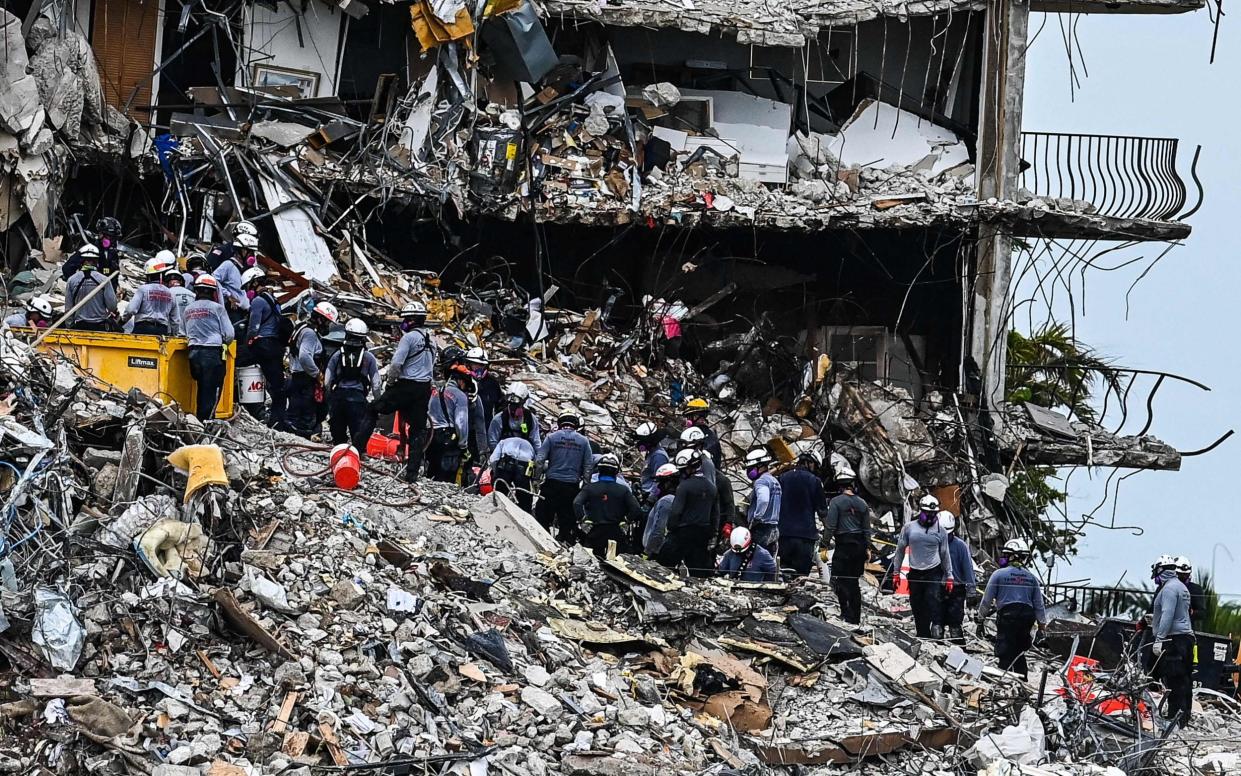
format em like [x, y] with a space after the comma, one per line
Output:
[680, 512]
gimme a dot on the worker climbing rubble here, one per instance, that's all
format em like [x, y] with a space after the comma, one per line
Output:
[1017, 596]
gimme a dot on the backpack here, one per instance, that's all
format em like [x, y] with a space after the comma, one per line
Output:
[285, 328]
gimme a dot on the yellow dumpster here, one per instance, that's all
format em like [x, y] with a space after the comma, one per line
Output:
[157, 366]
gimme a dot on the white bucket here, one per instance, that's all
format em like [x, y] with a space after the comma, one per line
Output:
[251, 388]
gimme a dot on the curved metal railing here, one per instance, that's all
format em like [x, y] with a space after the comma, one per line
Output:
[1120, 176]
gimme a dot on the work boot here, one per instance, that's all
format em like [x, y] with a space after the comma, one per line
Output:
[937, 632]
[956, 635]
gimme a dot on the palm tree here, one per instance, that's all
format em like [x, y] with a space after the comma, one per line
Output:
[1050, 368]
[1222, 618]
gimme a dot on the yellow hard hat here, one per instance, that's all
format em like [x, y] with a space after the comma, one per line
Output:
[696, 405]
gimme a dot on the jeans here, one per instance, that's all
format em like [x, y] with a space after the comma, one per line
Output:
[925, 588]
[350, 418]
[848, 563]
[269, 355]
[954, 607]
[797, 553]
[303, 412]
[556, 508]
[207, 369]
[1012, 637]
[151, 327]
[766, 535]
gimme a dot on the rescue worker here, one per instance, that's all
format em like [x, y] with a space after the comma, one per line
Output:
[748, 559]
[692, 518]
[304, 391]
[174, 281]
[105, 251]
[151, 307]
[695, 414]
[352, 380]
[225, 251]
[1018, 598]
[763, 515]
[801, 500]
[456, 418]
[408, 388]
[604, 506]
[565, 457]
[930, 567]
[1174, 643]
[847, 528]
[1197, 596]
[963, 569]
[37, 315]
[694, 438]
[647, 437]
[727, 502]
[228, 273]
[512, 462]
[489, 391]
[516, 419]
[195, 265]
[265, 341]
[667, 477]
[99, 312]
[209, 332]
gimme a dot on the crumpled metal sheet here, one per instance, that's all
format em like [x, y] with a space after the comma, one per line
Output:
[57, 632]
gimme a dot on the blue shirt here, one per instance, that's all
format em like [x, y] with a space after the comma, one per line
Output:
[761, 568]
[765, 502]
[449, 407]
[230, 283]
[962, 563]
[306, 348]
[656, 529]
[801, 499]
[264, 316]
[1013, 585]
[568, 456]
[654, 459]
[367, 381]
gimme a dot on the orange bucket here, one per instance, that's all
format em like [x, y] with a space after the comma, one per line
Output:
[346, 466]
[382, 446]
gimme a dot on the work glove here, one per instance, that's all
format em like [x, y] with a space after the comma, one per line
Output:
[530, 469]
[981, 629]
[1157, 648]
[823, 553]
[948, 585]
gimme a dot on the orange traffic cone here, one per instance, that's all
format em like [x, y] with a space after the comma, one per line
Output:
[902, 580]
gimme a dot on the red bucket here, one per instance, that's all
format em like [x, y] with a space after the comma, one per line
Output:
[382, 446]
[346, 467]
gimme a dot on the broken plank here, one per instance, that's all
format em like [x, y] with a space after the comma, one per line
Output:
[295, 743]
[62, 687]
[333, 744]
[246, 625]
[259, 537]
[587, 324]
[206, 661]
[286, 710]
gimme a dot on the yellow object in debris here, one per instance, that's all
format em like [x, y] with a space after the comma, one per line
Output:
[822, 364]
[157, 366]
[781, 450]
[441, 310]
[204, 464]
[172, 547]
[432, 31]
[501, 6]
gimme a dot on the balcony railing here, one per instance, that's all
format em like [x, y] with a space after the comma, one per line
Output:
[1121, 177]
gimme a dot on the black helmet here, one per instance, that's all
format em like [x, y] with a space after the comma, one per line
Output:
[109, 226]
[451, 355]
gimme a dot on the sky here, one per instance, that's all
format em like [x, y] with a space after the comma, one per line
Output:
[1150, 76]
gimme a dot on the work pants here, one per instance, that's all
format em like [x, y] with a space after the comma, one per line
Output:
[268, 353]
[689, 544]
[444, 456]
[599, 534]
[409, 399]
[92, 326]
[509, 477]
[350, 418]
[1175, 668]
[766, 535]
[556, 508]
[797, 553]
[151, 327]
[925, 589]
[207, 369]
[954, 607]
[302, 415]
[848, 563]
[1012, 637]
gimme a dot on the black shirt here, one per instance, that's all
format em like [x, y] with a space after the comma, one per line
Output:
[696, 504]
[606, 502]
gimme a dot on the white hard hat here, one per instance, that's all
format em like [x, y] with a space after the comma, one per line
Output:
[688, 459]
[928, 504]
[607, 461]
[252, 274]
[413, 310]
[89, 249]
[157, 266]
[356, 327]
[740, 539]
[327, 310]
[1182, 565]
[1017, 547]
[206, 281]
[948, 520]
[477, 354]
[166, 256]
[667, 470]
[517, 391]
[693, 436]
[245, 227]
[758, 457]
[646, 429]
[40, 304]
[246, 240]
[1164, 561]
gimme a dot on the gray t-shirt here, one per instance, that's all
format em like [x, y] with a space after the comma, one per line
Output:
[928, 548]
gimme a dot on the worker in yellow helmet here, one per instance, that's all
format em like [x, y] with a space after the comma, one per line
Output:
[695, 414]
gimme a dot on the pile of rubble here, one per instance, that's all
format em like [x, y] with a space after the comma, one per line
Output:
[185, 600]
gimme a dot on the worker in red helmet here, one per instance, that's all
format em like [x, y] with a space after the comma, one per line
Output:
[209, 332]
